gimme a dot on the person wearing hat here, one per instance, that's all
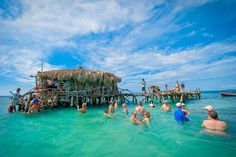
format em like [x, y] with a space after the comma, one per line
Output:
[179, 114]
[213, 123]
[208, 109]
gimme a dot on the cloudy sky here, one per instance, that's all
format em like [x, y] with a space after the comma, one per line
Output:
[193, 41]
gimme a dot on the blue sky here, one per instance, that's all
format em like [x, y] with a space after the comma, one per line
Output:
[161, 41]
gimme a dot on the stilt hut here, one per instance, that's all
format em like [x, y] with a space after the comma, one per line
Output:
[75, 86]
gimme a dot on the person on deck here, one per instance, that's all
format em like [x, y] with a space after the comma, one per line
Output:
[182, 87]
[15, 98]
[179, 114]
[213, 123]
[144, 84]
[165, 106]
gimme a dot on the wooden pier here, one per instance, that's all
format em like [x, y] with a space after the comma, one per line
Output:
[74, 87]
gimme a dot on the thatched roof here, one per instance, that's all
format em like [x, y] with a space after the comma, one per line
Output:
[92, 76]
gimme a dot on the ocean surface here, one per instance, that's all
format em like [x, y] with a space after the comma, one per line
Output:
[66, 132]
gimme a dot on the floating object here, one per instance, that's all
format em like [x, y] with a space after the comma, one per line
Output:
[228, 94]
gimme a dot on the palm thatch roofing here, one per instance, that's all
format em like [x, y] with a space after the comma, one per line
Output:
[81, 75]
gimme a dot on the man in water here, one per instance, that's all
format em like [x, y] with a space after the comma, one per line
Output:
[214, 123]
[140, 110]
[208, 109]
[179, 114]
[144, 86]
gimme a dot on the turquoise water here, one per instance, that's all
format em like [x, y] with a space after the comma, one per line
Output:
[66, 132]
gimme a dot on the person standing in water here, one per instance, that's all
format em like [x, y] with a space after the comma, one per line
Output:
[111, 108]
[213, 123]
[179, 114]
[125, 108]
[83, 108]
[140, 110]
[144, 84]
[116, 104]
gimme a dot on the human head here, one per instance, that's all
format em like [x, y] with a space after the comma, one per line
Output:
[106, 110]
[134, 114]
[140, 103]
[179, 104]
[151, 101]
[147, 114]
[213, 114]
[111, 103]
[165, 102]
[84, 105]
[124, 105]
[18, 89]
[208, 108]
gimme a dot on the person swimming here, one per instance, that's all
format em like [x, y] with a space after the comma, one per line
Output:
[83, 108]
[134, 119]
[111, 108]
[140, 110]
[179, 114]
[146, 119]
[125, 109]
[116, 104]
[107, 114]
[165, 106]
[213, 123]
[151, 104]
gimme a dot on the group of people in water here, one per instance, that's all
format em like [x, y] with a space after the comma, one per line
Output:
[138, 116]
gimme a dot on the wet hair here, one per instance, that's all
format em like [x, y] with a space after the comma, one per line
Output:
[213, 114]
[151, 101]
[140, 103]
[148, 114]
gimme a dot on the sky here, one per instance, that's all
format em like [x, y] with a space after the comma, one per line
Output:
[192, 41]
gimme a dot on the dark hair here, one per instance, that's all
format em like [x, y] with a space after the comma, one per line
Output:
[17, 89]
[213, 114]
[140, 103]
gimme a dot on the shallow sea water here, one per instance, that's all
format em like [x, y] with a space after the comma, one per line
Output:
[66, 132]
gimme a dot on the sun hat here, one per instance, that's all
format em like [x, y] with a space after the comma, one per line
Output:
[209, 108]
[182, 104]
[178, 104]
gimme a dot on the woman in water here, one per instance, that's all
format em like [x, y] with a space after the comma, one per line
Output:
[165, 106]
[111, 109]
[83, 108]
[134, 119]
[147, 118]
[116, 104]
[152, 105]
[125, 108]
